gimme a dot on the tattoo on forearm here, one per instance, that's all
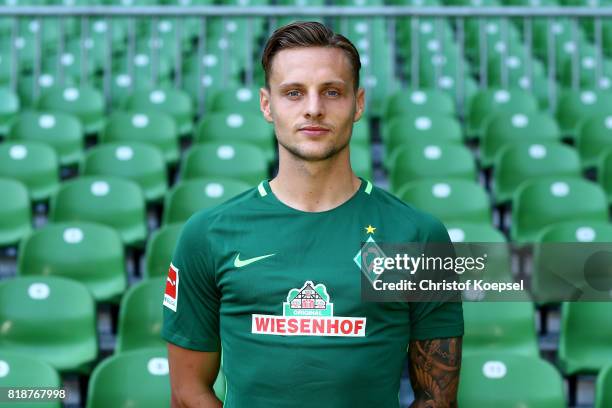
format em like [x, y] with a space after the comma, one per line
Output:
[434, 372]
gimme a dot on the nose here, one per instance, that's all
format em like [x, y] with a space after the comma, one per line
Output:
[314, 107]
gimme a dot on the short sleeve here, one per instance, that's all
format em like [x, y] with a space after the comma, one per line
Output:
[430, 320]
[191, 317]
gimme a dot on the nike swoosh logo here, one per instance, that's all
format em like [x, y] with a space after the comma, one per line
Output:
[239, 263]
[173, 283]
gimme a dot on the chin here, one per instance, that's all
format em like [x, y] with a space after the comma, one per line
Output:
[313, 154]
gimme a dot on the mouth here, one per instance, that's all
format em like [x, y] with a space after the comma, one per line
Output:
[314, 130]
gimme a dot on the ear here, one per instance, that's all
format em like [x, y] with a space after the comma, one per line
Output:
[360, 104]
[264, 104]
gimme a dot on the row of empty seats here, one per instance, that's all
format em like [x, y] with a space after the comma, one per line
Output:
[500, 345]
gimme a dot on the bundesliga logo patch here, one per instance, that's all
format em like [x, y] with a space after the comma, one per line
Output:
[171, 293]
[308, 312]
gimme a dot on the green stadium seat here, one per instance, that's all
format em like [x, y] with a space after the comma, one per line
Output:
[70, 61]
[361, 161]
[520, 162]
[575, 105]
[505, 129]
[111, 201]
[19, 370]
[488, 102]
[499, 267]
[5, 62]
[423, 160]
[46, 81]
[86, 103]
[50, 318]
[25, 46]
[561, 30]
[378, 84]
[15, 218]
[587, 73]
[594, 137]
[241, 99]
[361, 133]
[29, 29]
[35, 164]
[577, 231]
[560, 256]
[160, 248]
[142, 63]
[166, 30]
[465, 232]
[204, 85]
[235, 160]
[9, 108]
[497, 53]
[140, 316]
[419, 102]
[585, 343]
[86, 252]
[507, 380]
[505, 327]
[187, 197]
[98, 29]
[543, 202]
[231, 36]
[217, 65]
[61, 131]
[138, 378]
[512, 67]
[155, 128]
[425, 28]
[567, 51]
[406, 130]
[603, 388]
[122, 84]
[443, 62]
[173, 102]
[237, 127]
[451, 200]
[140, 162]
[604, 172]
[448, 84]
[493, 30]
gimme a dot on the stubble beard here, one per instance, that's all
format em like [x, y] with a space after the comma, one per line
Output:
[327, 154]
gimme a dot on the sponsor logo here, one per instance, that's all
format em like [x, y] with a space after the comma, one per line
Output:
[239, 263]
[171, 293]
[308, 312]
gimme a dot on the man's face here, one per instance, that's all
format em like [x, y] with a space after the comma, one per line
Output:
[312, 101]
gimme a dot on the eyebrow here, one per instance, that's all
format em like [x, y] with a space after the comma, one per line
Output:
[299, 84]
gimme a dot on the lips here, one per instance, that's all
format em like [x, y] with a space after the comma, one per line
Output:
[314, 130]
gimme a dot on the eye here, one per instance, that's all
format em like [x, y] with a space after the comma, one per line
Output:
[332, 92]
[293, 93]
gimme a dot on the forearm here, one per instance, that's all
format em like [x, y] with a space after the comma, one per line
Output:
[434, 372]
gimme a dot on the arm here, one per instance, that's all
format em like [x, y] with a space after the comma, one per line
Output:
[434, 372]
[192, 375]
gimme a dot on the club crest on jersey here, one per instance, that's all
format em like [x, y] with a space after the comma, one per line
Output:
[171, 292]
[308, 311]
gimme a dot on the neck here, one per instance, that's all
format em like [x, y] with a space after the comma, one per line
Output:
[314, 186]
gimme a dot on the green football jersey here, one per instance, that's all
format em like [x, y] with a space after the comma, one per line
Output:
[279, 290]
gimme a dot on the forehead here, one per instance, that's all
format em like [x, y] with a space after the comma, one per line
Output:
[310, 65]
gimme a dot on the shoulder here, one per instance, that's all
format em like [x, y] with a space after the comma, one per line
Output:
[429, 227]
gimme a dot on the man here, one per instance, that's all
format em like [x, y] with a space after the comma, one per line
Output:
[270, 275]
